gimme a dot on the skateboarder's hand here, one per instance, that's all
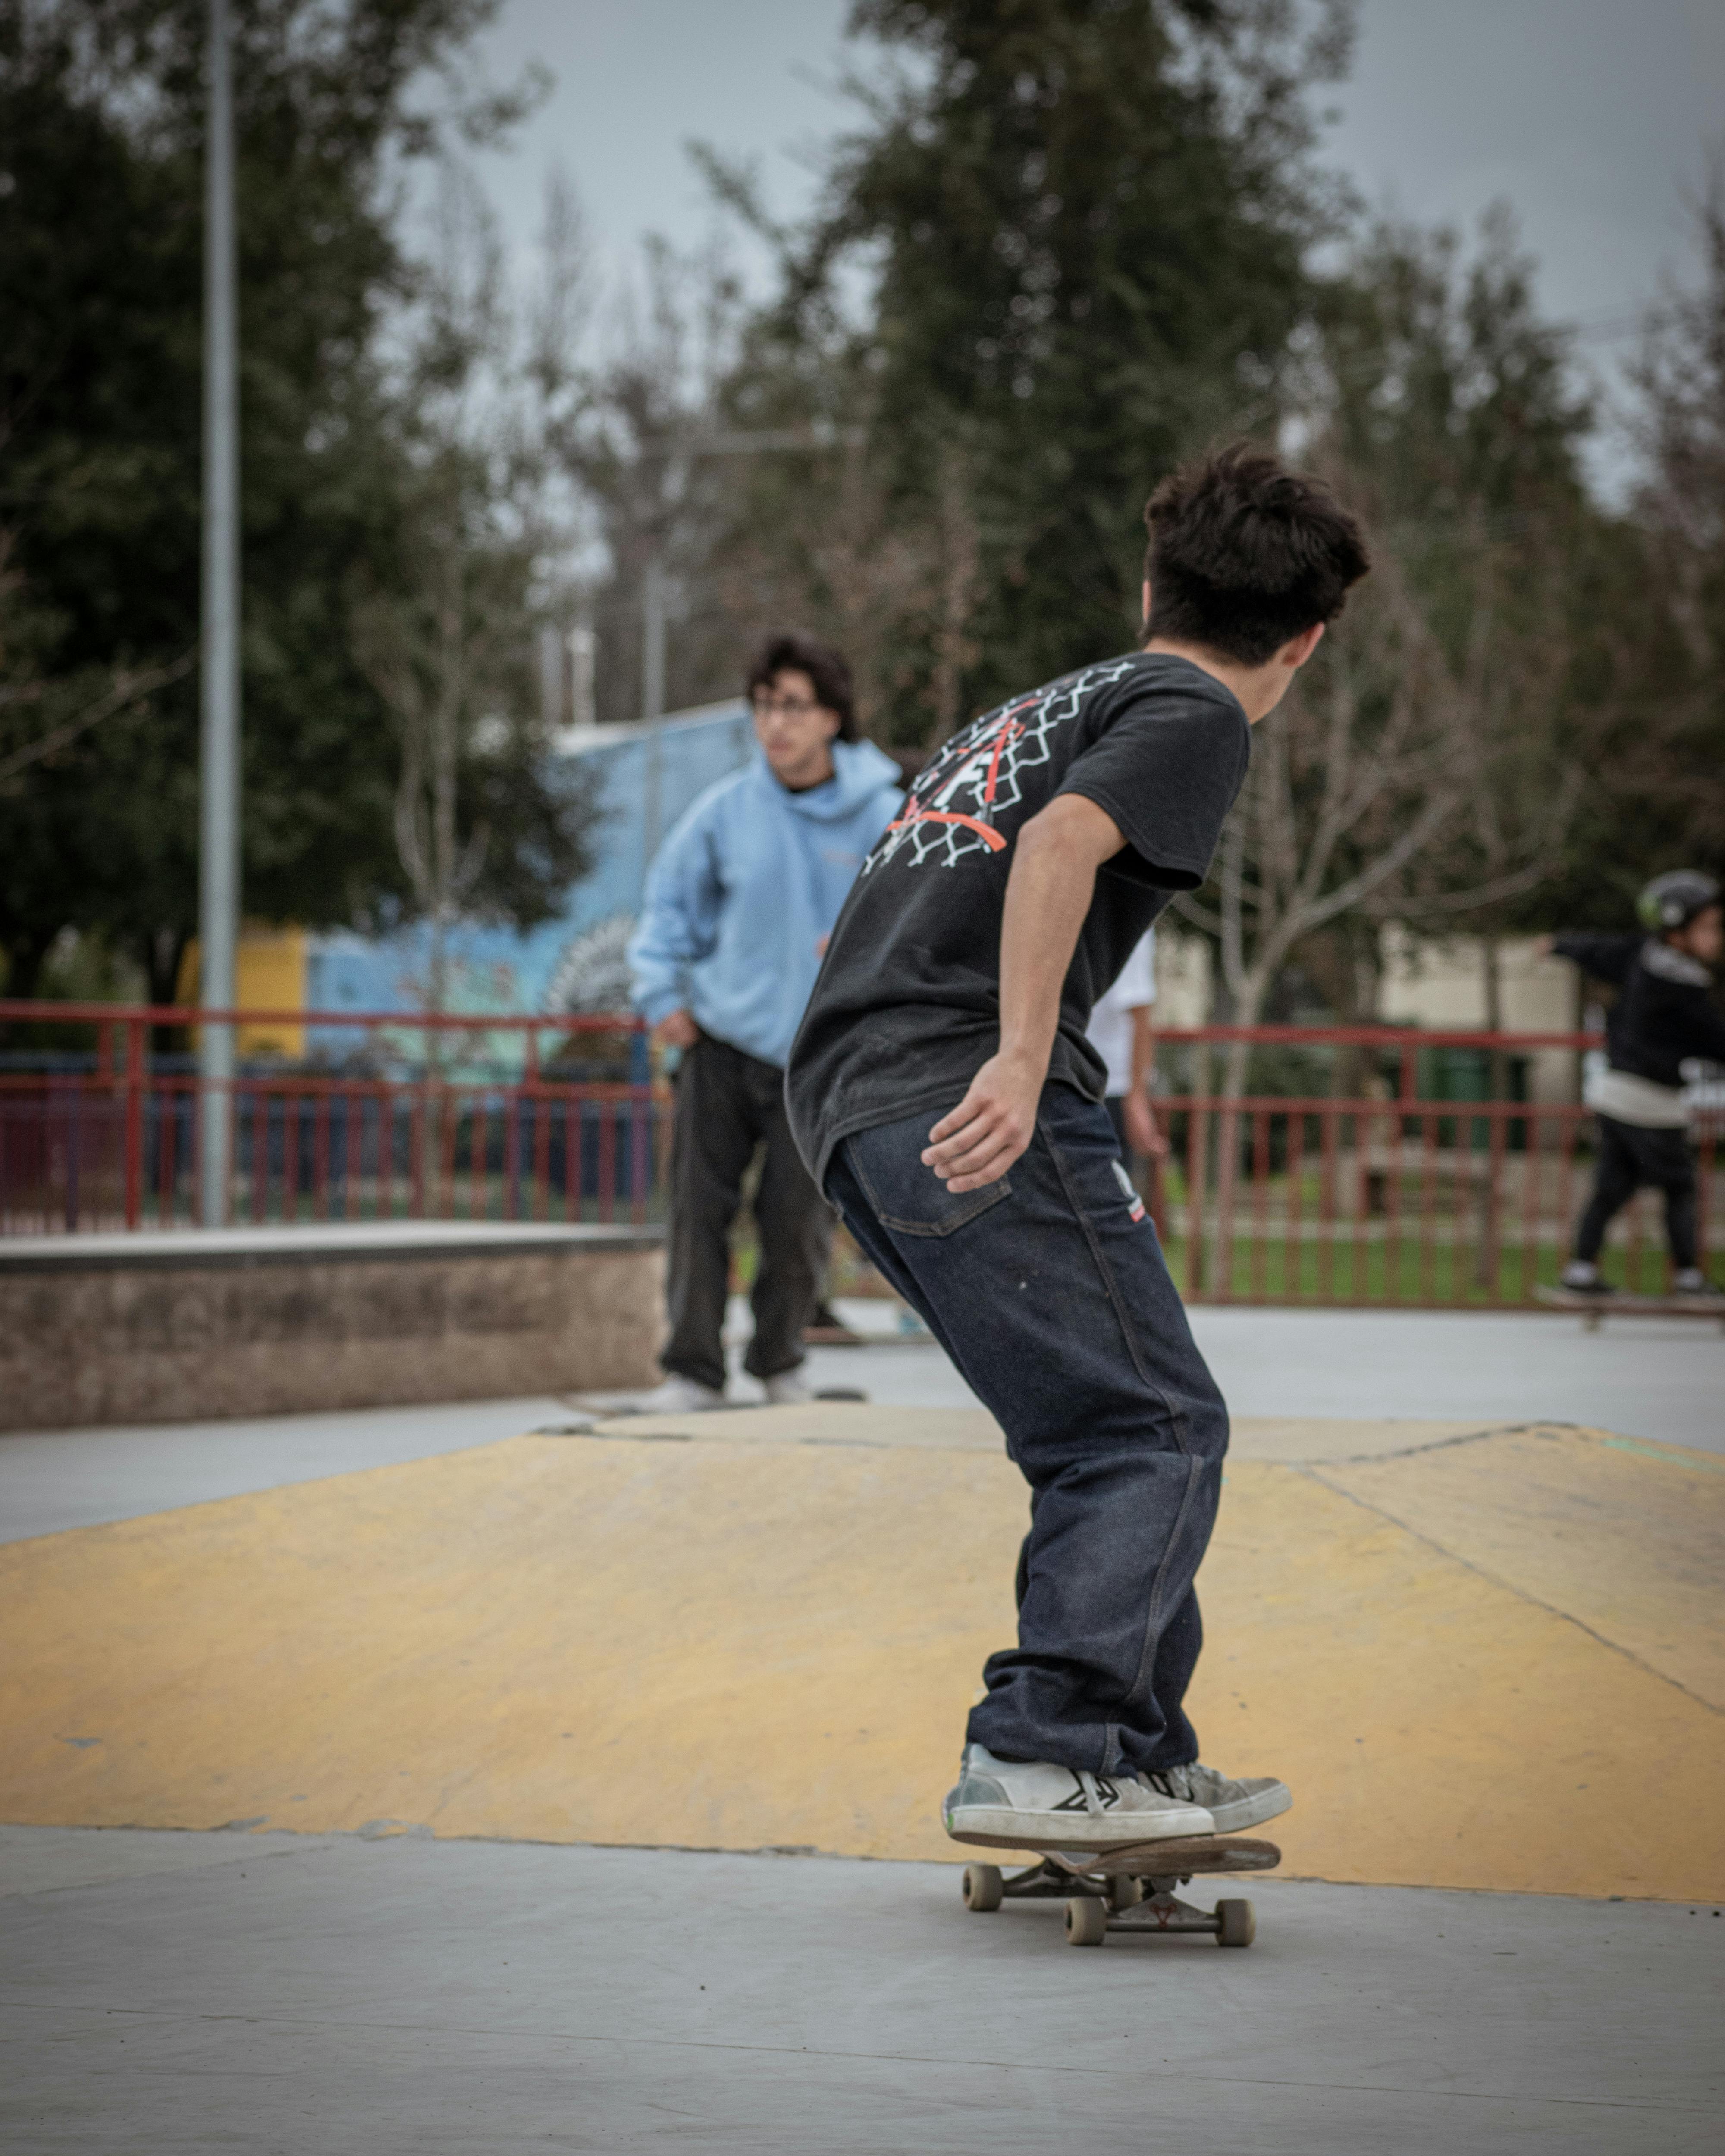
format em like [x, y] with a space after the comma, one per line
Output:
[988, 1129]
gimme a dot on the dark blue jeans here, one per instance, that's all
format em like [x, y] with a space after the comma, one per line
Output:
[1049, 1290]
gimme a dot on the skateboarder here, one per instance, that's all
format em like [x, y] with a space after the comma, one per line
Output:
[944, 1096]
[1663, 1016]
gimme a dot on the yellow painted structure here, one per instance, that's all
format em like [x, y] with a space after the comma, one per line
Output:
[269, 974]
[1491, 1660]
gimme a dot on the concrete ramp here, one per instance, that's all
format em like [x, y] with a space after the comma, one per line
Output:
[1481, 1658]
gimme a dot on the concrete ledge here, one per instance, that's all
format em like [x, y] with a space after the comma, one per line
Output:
[322, 1242]
[279, 1321]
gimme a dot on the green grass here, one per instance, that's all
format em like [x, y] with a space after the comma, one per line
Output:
[1393, 1270]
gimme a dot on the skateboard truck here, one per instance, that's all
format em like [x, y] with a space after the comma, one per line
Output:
[1130, 1889]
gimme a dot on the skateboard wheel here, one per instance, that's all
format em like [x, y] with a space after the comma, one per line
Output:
[1086, 1922]
[981, 1887]
[1236, 1926]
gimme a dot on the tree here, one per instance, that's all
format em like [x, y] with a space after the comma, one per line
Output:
[1376, 762]
[480, 826]
[1082, 224]
[635, 427]
[100, 287]
[1425, 766]
[1666, 764]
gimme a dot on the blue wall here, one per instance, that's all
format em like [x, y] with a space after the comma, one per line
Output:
[501, 970]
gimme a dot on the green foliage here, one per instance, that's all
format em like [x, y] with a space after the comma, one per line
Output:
[1085, 222]
[1658, 592]
[100, 285]
[1444, 402]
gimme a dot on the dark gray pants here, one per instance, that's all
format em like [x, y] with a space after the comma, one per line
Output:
[1049, 1290]
[728, 1105]
[1629, 1157]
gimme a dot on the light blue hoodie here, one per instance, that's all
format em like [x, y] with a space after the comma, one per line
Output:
[745, 890]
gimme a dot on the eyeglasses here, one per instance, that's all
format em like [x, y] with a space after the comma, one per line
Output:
[784, 707]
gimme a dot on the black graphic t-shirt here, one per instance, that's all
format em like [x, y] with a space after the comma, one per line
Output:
[907, 1006]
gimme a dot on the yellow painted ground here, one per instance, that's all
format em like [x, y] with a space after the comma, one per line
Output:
[1489, 1660]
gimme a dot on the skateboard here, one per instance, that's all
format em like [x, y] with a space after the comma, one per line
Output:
[1127, 1889]
[1591, 1309]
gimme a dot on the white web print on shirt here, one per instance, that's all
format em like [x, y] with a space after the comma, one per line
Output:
[952, 805]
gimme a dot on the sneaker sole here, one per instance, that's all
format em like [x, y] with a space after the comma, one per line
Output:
[1007, 1829]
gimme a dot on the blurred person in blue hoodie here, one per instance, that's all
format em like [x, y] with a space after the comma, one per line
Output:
[739, 905]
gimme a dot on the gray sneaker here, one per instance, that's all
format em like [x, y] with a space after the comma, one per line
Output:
[1019, 1803]
[1234, 1805]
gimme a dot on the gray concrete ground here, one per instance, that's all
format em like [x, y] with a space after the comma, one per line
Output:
[172, 1992]
[261, 1993]
[1662, 1378]
[53, 1480]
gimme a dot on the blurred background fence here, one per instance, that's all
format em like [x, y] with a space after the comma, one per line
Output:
[447, 1118]
[1365, 1165]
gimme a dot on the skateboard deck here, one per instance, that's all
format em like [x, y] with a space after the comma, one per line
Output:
[1592, 1309]
[1128, 1888]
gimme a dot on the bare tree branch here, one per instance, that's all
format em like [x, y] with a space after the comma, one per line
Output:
[128, 689]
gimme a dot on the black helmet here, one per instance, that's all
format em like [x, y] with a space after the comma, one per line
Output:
[1673, 900]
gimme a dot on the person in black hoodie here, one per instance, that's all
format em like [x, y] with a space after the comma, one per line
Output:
[1663, 1018]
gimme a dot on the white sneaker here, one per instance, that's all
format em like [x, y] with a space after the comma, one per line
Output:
[679, 1396]
[1233, 1806]
[1018, 1803]
[1582, 1278]
[786, 1390]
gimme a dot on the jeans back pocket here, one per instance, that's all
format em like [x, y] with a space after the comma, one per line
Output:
[904, 1194]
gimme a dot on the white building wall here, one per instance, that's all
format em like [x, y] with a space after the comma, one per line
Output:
[1443, 985]
[1182, 979]
[1437, 985]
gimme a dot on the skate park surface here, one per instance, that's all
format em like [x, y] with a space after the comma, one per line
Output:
[405, 1780]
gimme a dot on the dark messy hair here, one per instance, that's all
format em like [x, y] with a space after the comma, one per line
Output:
[1244, 554]
[825, 667]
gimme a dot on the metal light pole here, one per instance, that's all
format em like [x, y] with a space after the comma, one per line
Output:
[219, 856]
[653, 611]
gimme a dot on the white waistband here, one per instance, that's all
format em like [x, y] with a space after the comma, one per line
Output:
[1627, 1099]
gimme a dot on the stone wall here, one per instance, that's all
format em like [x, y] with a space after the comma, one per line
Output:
[177, 1327]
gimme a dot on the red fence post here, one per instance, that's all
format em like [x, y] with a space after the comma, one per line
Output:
[136, 1078]
[1198, 1173]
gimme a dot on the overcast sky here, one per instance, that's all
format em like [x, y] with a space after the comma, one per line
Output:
[1591, 117]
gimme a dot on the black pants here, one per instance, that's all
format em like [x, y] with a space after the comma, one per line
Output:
[728, 1105]
[1629, 1157]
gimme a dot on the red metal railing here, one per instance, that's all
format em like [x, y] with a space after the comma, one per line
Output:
[423, 1130]
[1396, 1190]
[1393, 1196]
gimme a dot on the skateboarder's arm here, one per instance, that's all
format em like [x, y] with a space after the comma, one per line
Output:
[1048, 894]
[1604, 957]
